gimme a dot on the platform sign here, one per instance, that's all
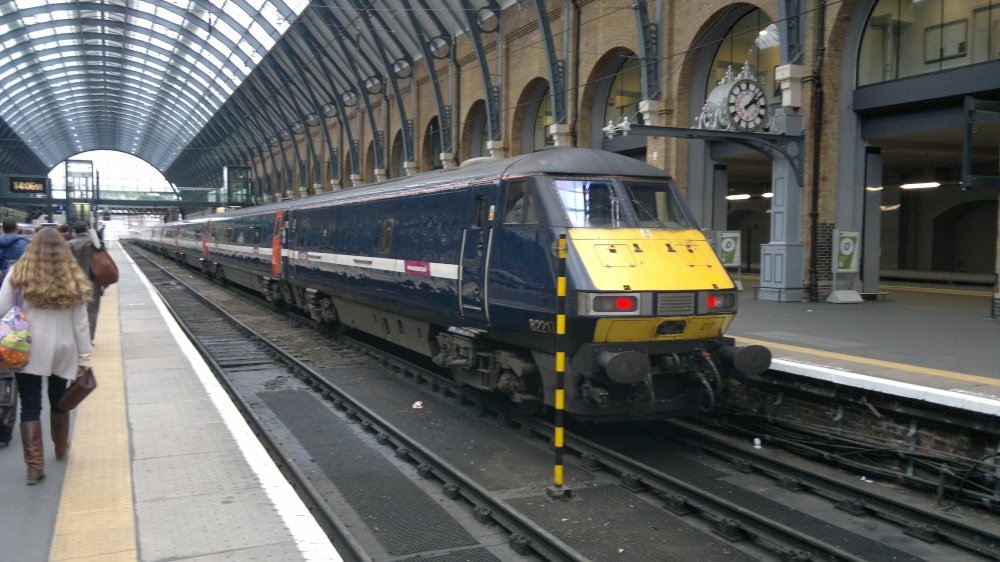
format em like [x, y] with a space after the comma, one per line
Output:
[728, 244]
[847, 250]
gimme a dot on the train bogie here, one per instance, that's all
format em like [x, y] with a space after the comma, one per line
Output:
[461, 266]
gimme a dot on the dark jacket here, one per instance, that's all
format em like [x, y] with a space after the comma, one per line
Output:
[83, 248]
[11, 248]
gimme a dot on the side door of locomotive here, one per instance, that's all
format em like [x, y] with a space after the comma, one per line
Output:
[476, 239]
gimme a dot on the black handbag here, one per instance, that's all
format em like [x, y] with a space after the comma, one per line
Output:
[84, 384]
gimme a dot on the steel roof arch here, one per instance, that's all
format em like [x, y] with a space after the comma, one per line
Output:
[186, 76]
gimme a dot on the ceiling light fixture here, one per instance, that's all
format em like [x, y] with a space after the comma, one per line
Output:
[925, 185]
[738, 197]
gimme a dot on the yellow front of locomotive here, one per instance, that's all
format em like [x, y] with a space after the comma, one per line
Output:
[648, 304]
[647, 285]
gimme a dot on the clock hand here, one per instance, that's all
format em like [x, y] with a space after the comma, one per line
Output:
[753, 101]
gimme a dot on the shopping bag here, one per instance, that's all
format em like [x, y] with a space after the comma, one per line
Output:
[15, 337]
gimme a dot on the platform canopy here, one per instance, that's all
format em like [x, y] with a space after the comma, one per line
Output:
[192, 85]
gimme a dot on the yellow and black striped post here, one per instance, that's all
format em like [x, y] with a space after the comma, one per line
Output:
[560, 400]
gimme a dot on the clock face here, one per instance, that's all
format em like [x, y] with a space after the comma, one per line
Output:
[747, 106]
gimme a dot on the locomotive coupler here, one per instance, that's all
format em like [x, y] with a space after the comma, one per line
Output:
[596, 395]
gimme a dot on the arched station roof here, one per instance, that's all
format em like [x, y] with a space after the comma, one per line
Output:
[192, 85]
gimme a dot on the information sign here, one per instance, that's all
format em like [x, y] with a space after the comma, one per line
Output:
[847, 251]
[728, 242]
[27, 185]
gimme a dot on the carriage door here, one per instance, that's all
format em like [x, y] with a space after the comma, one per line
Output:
[277, 260]
[476, 240]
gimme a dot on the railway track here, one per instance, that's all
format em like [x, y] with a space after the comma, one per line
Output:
[667, 497]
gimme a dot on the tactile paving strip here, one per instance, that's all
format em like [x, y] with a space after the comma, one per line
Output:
[400, 515]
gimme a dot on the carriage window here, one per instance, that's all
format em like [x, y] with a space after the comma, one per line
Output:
[241, 236]
[256, 236]
[385, 239]
[480, 211]
[589, 203]
[655, 205]
[301, 230]
[328, 234]
[519, 207]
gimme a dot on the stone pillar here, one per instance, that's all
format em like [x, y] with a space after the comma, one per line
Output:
[318, 188]
[871, 234]
[355, 180]
[560, 134]
[497, 149]
[720, 207]
[447, 160]
[410, 168]
[782, 260]
[650, 110]
[380, 174]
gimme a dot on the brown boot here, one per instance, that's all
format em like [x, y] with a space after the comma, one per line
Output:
[60, 433]
[34, 453]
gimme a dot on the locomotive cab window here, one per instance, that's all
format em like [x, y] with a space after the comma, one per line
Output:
[621, 204]
[519, 207]
[480, 211]
[589, 203]
[655, 205]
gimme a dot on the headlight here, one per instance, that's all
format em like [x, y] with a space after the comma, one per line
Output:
[610, 304]
[717, 303]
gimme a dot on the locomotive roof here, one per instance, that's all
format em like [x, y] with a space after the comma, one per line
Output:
[559, 161]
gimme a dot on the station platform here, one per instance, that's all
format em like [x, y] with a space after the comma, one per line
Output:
[936, 343]
[163, 467]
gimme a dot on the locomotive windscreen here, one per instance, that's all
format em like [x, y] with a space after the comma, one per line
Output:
[616, 204]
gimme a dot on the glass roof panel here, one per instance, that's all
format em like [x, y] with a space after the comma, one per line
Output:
[138, 53]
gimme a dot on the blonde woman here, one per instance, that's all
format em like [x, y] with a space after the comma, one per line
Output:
[53, 293]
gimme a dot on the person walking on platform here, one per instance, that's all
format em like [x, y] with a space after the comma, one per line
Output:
[12, 244]
[66, 230]
[83, 244]
[53, 291]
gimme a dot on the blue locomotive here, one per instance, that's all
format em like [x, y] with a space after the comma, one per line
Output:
[461, 265]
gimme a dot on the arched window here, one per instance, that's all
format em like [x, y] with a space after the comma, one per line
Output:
[477, 130]
[432, 145]
[625, 93]
[754, 39]
[906, 38]
[543, 119]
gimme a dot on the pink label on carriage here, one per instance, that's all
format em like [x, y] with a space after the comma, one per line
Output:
[418, 267]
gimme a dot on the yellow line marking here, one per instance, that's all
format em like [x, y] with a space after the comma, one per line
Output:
[965, 292]
[96, 519]
[874, 362]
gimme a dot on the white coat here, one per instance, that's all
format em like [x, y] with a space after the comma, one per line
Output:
[60, 338]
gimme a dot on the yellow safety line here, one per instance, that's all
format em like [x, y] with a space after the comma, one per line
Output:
[874, 362]
[96, 518]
